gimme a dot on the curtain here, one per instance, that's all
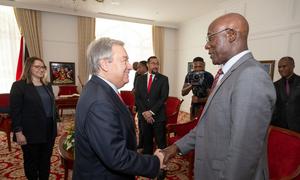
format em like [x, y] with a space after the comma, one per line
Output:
[20, 60]
[29, 22]
[9, 48]
[158, 44]
[86, 34]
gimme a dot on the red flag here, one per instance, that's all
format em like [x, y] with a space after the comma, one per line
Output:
[20, 61]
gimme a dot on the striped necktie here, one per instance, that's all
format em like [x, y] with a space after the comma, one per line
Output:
[219, 73]
[287, 87]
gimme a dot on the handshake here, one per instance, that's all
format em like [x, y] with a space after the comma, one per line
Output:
[165, 155]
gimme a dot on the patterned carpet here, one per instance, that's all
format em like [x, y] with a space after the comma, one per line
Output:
[11, 163]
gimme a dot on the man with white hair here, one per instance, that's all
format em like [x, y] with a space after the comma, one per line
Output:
[105, 141]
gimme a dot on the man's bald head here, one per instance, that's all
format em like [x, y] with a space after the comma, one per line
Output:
[233, 21]
[227, 36]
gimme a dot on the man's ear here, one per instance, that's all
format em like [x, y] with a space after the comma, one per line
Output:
[103, 65]
[231, 35]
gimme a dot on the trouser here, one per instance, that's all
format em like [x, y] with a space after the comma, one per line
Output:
[37, 160]
[156, 130]
[195, 110]
[140, 126]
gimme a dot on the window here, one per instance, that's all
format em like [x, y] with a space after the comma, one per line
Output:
[137, 38]
[9, 48]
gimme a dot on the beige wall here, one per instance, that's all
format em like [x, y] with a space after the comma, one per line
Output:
[59, 37]
[170, 59]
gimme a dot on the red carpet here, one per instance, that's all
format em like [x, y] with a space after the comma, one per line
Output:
[11, 163]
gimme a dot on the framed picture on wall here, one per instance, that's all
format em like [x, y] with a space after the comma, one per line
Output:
[62, 73]
[269, 66]
[190, 66]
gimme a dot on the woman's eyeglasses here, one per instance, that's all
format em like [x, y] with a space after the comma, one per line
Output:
[40, 67]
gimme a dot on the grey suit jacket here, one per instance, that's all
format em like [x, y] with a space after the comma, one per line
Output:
[230, 138]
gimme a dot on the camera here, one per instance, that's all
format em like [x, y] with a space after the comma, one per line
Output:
[197, 80]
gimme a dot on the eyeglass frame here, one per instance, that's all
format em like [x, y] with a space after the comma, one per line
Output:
[213, 34]
[39, 67]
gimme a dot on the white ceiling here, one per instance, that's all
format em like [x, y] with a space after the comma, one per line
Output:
[161, 12]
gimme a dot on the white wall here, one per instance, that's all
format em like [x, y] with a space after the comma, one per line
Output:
[274, 32]
[59, 39]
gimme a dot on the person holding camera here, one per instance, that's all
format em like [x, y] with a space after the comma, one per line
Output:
[200, 82]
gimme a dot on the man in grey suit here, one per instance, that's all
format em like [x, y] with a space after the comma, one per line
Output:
[230, 138]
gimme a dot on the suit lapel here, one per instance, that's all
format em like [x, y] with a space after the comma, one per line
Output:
[227, 75]
[144, 83]
[117, 102]
[282, 91]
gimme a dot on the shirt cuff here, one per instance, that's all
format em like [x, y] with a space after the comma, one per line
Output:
[152, 112]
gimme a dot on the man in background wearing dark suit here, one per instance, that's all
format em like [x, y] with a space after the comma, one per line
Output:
[105, 141]
[141, 69]
[151, 93]
[287, 109]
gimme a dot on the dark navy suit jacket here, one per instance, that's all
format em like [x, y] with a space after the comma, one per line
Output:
[287, 109]
[155, 100]
[105, 140]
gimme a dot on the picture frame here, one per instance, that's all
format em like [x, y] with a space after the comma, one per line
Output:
[268, 66]
[62, 73]
[190, 67]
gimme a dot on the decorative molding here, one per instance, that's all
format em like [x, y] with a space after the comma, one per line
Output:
[276, 31]
[290, 36]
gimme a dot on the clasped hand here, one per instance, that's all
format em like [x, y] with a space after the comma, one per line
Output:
[166, 154]
[159, 153]
[148, 117]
